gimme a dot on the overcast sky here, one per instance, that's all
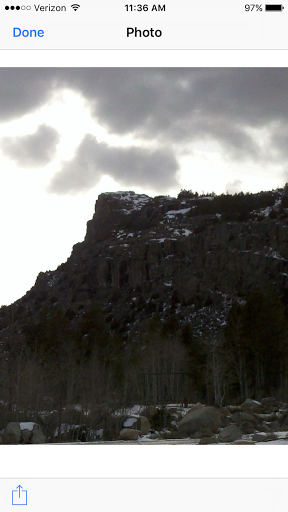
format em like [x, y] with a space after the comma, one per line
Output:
[67, 135]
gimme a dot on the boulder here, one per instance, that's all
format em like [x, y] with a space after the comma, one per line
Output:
[201, 419]
[274, 425]
[138, 423]
[226, 413]
[241, 417]
[12, 433]
[270, 404]
[38, 439]
[209, 440]
[143, 425]
[271, 437]
[234, 408]
[265, 416]
[26, 436]
[265, 428]
[248, 428]
[251, 406]
[150, 412]
[201, 434]
[230, 434]
[281, 416]
[129, 434]
[37, 435]
[258, 438]
[195, 407]
[167, 435]
[283, 421]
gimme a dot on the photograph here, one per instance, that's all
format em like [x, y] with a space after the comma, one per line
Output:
[144, 261]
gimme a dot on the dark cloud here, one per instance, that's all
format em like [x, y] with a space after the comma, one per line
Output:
[23, 90]
[34, 150]
[174, 103]
[182, 105]
[132, 166]
[173, 106]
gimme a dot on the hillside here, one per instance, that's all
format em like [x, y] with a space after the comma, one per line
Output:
[146, 293]
[141, 254]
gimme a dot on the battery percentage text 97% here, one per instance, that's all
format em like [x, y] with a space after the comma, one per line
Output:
[253, 7]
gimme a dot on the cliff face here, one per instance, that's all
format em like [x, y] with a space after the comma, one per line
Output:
[157, 250]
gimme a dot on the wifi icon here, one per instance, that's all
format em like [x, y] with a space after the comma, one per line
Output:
[75, 7]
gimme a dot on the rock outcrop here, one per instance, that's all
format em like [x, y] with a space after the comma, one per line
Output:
[141, 254]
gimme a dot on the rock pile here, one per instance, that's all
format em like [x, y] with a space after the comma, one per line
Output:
[23, 433]
[249, 423]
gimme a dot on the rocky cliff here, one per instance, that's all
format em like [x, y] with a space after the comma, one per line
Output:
[192, 255]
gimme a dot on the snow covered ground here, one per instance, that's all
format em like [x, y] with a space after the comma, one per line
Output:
[144, 440]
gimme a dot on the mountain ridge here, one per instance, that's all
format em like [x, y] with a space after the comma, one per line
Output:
[162, 251]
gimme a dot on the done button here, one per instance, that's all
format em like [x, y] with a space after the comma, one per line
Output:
[18, 32]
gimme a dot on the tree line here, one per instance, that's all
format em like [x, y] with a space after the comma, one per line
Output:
[58, 361]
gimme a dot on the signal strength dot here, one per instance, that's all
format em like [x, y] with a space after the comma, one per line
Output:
[75, 7]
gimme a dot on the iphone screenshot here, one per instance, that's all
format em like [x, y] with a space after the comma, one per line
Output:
[144, 256]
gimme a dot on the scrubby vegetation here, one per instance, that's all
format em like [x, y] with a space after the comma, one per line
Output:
[58, 364]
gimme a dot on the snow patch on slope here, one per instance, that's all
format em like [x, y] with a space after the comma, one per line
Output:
[133, 202]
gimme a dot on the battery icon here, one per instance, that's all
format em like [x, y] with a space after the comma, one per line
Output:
[274, 7]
